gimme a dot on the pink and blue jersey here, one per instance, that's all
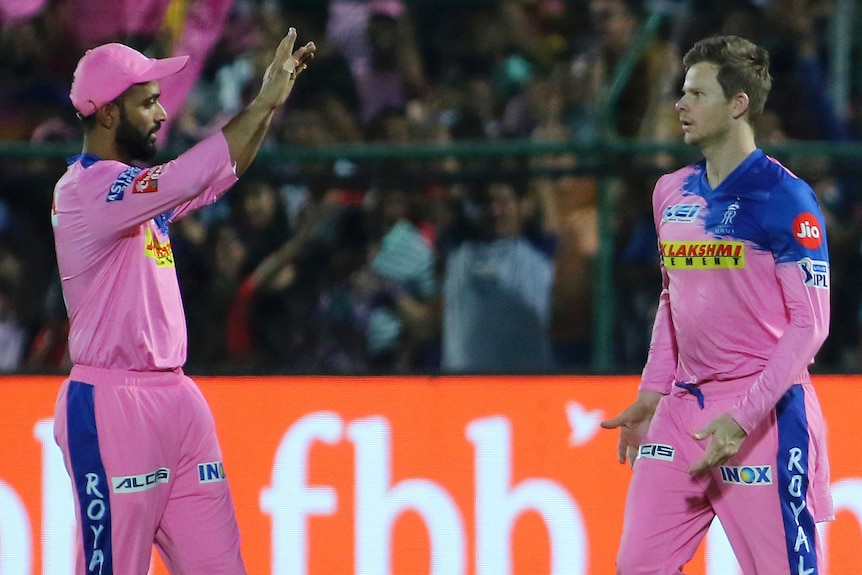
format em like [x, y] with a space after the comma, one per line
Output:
[137, 436]
[743, 310]
[116, 264]
[746, 283]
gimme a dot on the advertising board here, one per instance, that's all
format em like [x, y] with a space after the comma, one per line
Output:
[405, 476]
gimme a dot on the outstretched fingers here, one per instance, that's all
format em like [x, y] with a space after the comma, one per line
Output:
[613, 423]
[282, 55]
[286, 65]
[301, 57]
[624, 422]
[285, 47]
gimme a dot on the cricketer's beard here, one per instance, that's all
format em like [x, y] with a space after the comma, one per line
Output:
[131, 142]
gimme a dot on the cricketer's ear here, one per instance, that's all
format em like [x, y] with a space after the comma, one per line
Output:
[108, 115]
[741, 104]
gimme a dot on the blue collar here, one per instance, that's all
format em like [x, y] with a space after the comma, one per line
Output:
[86, 160]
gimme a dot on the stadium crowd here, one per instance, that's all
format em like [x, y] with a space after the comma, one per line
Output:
[403, 264]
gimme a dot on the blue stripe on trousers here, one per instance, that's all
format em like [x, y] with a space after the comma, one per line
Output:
[793, 482]
[89, 479]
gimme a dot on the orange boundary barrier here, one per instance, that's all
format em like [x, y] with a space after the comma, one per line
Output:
[407, 475]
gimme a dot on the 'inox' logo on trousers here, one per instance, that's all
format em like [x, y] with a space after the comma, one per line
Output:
[747, 475]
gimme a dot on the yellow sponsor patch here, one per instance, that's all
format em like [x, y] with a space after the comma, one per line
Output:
[703, 255]
[162, 253]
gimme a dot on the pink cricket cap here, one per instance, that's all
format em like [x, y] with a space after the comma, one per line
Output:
[107, 71]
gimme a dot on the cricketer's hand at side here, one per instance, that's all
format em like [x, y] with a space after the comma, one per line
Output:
[633, 422]
[725, 437]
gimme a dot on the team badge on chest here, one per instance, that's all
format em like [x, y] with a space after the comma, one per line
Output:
[148, 181]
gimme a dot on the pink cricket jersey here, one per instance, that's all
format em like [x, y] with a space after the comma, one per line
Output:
[746, 284]
[116, 264]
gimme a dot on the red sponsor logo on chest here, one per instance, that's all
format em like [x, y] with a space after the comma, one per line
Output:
[148, 181]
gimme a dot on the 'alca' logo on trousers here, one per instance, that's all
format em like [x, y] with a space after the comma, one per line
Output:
[142, 482]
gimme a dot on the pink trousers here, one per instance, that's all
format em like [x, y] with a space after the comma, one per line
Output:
[768, 496]
[146, 470]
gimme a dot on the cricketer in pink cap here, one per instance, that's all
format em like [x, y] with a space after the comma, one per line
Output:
[137, 436]
[107, 71]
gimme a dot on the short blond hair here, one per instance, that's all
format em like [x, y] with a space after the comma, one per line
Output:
[742, 67]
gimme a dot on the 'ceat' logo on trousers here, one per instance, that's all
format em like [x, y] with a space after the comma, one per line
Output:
[142, 482]
[747, 475]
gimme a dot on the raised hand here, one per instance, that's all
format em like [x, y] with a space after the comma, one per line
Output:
[285, 67]
[245, 132]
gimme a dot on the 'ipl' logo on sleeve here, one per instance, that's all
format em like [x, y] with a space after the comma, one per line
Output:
[815, 273]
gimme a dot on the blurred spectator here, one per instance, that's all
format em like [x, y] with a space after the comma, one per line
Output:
[13, 332]
[305, 313]
[644, 109]
[259, 218]
[312, 234]
[397, 289]
[228, 74]
[219, 332]
[35, 75]
[843, 212]
[497, 291]
[539, 29]
[190, 27]
[795, 38]
[16, 10]
[648, 95]
[336, 99]
[637, 281]
[49, 350]
[157, 27]
[568, 213]
[614, 23]
[377, 38]
[221, 89]
[128, 21]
